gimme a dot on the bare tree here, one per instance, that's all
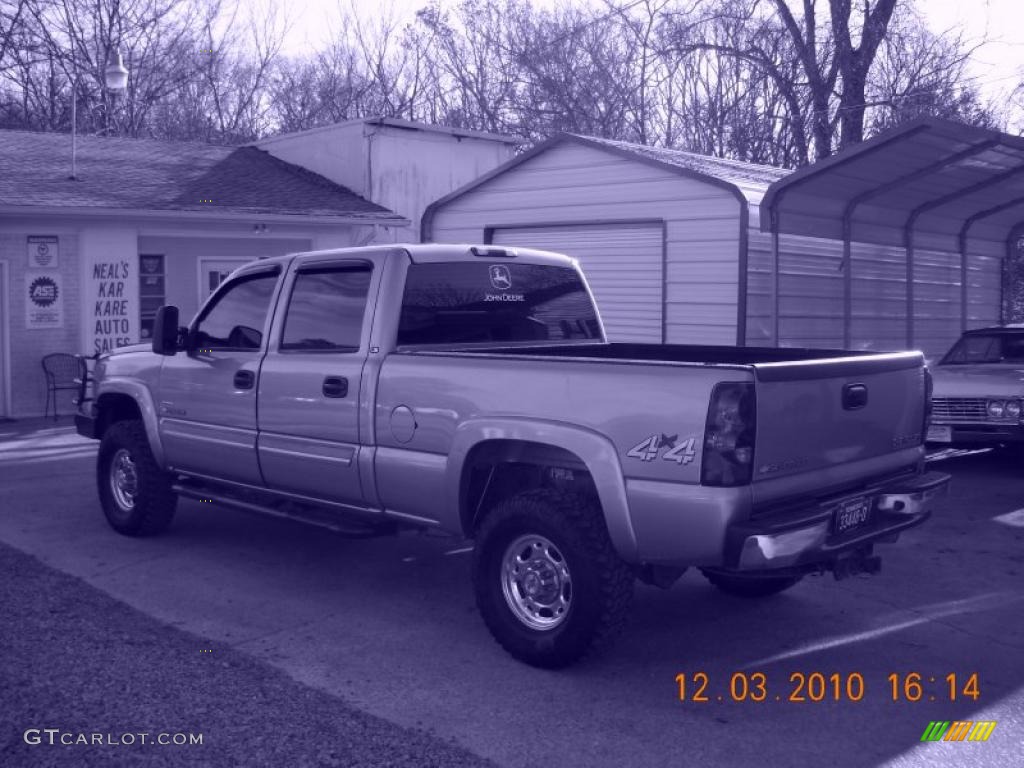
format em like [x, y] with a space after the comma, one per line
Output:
[12, 16]
[771, 81]
[920, 73]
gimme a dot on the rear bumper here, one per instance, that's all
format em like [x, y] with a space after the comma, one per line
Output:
[804, 538]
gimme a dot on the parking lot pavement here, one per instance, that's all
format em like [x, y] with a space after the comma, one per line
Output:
[389, 627]
[190, 702]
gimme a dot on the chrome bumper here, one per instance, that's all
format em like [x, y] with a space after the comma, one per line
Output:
[805, 538]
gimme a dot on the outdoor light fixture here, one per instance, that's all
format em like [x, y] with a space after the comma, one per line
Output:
[115, 78]
[115, 74]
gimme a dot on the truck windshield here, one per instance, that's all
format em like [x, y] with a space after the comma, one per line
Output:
[467, 303]
[987, 348]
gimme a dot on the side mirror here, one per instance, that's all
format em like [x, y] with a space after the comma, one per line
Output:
[165, 331]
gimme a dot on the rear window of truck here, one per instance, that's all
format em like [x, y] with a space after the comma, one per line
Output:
[466, 303]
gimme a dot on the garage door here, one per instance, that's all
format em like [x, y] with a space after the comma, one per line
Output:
[623, 264]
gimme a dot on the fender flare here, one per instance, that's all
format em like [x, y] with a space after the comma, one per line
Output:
[595, 450]
[144, 400]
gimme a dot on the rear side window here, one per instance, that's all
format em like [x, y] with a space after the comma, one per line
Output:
[326, 310]
[466, 303]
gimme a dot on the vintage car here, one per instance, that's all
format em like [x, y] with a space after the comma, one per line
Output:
[978, 389]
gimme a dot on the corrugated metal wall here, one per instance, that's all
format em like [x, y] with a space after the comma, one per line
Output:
[574, 184]
[811, 293]
[985, 283]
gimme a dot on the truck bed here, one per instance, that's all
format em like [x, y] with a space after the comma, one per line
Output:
[771, 363]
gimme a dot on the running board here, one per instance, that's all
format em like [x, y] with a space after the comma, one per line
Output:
[289, 510]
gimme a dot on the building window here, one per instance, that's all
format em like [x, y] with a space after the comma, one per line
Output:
[152, 291]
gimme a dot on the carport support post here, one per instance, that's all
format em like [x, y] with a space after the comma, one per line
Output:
[963, 279]
[908, 239]
[847, 284]
[774, 213]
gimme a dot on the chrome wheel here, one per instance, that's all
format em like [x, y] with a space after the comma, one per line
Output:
[536, 582]
[124, 480]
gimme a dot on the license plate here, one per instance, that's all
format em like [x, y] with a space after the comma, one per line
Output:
[851, 514]
[939, 433]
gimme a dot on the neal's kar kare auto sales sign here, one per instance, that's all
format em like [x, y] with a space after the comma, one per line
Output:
[111, 305]
[44, 302]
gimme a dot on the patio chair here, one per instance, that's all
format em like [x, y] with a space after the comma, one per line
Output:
[63, 372]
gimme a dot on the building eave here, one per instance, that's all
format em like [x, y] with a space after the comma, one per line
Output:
[147, 214]
[394, 122]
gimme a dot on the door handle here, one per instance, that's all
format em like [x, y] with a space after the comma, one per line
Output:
[335, 386]
[244, 379]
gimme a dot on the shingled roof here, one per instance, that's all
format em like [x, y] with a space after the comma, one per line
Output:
[153, 175]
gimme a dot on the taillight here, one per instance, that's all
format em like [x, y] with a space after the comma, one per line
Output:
[729, 435]
[927, 403]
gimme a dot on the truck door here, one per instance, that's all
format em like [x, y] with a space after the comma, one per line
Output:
[311, 383]
[207, 397]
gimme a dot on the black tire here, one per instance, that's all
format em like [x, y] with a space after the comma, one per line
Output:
[600, 584]
[153, 502]
[751, 586]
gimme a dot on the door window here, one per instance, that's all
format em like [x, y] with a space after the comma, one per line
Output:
[326, 309]
[236, 317]
[152, 291]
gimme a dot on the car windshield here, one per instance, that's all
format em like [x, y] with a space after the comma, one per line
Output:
[987, 348]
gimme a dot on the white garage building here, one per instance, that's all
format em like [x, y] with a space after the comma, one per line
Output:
[662, 235]
[678, 248]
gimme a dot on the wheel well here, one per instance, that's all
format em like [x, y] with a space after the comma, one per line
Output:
[112, 408]
[496, 469]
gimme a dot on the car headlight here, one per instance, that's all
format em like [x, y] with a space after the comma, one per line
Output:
[995, 409]
[1012, 409]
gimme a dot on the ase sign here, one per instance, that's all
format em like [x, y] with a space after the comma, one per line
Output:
[44, 300]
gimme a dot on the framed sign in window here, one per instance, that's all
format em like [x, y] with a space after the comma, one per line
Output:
[152, 291]
[43, 251]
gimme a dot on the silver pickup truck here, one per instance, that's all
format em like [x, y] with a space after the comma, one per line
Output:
[472, 390]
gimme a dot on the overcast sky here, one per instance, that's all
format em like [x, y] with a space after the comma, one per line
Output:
[996, 67]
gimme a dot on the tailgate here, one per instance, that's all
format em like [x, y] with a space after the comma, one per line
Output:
[812, 415]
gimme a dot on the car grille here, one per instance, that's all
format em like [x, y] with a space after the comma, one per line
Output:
[959, 408]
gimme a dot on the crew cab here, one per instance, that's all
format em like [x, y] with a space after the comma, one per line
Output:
[979, 389]
[471, 389]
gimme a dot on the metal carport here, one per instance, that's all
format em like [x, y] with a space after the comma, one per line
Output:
[929, 185]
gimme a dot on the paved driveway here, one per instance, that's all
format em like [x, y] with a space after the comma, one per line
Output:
[389, 625]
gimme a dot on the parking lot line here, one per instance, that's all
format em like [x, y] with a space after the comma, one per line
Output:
[1015, 518]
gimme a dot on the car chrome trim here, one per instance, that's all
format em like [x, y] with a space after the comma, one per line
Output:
[344, 461]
